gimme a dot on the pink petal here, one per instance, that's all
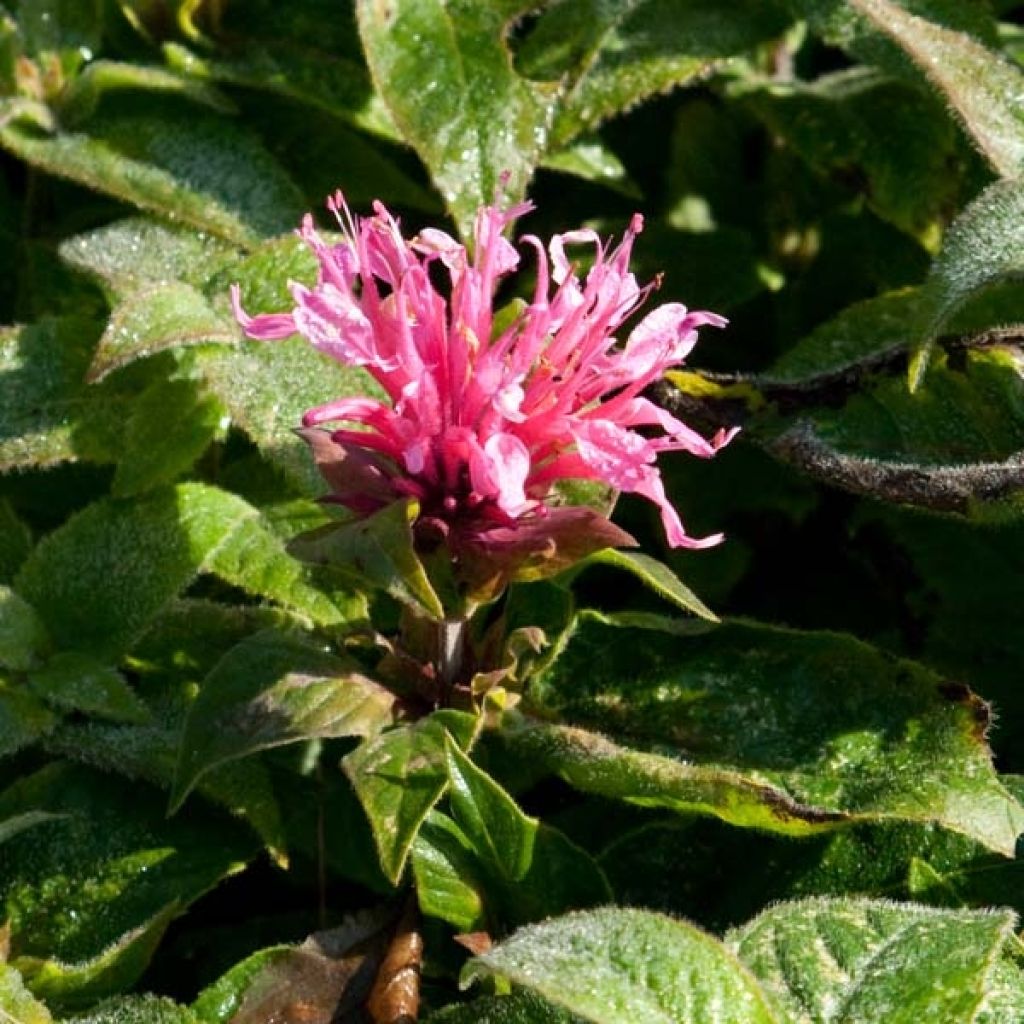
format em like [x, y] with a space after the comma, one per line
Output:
[500, 469]
[265, 326]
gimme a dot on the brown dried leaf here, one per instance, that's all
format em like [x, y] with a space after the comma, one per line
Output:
[326, 980]
[395, 998]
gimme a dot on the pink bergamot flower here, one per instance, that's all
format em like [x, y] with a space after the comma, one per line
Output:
[481, 423]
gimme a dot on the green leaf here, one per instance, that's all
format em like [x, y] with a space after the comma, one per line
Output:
[446, 77]
[101, 578]
[23, 719]
[88, 895]
[952, 443]
[613, 965]
[860, 960]
[78, 682]
[254, 558]
[45, 416]
[657, 576]
[267, 387]
[149, 753]
[1004, 999]
[218, 1003]
[20, 822]
[518, 1008]
[501, 834]
[449, 882]
[982, 246]
[893, 143]
[760, 726]
[494, 866]
[400, 775]
[860, 336]
[613, 56]
[979, 84]
[270, 690]
[172, 160]
[173, 422]
[83, 93]
[152, 319]
[17, 1005]
[22, 636]
[317, 77]
[591, 160]
[15, 542]
[137, 252]
[144, 1009]
[377, 551]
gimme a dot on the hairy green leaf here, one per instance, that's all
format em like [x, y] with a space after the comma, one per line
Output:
[891, 143]
[23, 718]
[17, 1004]
[491, 866]
[184, 164]
[78, 682]
[332, 83]
[520, 1007]
[162, 316]
[857, 960]
[144, 1009]
[46, 416]
[15, 542]
[89, 894]
[446, 76]
[400, 775]
[139, 252]
[760, 726]
[611, 56]
[270, 690]
[982, 246]
[981, 86]
[657, 576]
[952, 443]
[613, 965]
[172, 424]
[22, 636]
[377, 551]
[101, 578]
[82, 95]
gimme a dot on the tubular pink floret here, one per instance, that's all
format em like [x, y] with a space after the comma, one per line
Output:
[481, 425]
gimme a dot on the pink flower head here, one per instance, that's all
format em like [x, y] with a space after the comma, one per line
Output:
[481, 421]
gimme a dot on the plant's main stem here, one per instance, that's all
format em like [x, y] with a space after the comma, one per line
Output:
[451, 647]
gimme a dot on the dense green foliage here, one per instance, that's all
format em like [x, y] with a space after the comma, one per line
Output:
[217, 790]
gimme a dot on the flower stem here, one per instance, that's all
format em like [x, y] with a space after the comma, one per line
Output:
[451, 648]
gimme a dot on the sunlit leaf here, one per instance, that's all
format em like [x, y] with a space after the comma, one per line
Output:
[88, 895]
[982, 246]
[860, 960]
[166, 315]
[399, 777]
[981, 86]
[184, 164]
[612, 56]
[792, 732]
[172, 424]
[616, 964]
[17, 1004]
[491, 866]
